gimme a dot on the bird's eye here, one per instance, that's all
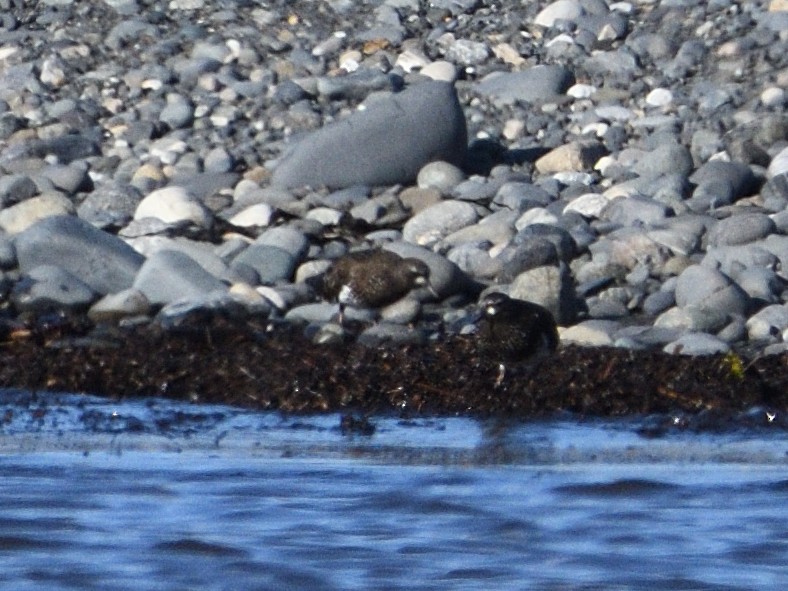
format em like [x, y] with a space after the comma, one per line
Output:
[491, 310]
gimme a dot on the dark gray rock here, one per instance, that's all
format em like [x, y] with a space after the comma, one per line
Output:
[736, 178]
[669, 158]
[529, 253]
[561, 238]
[103, 261]
[386, 144]
[631, 211]
[272, 264]
[69, 178]
[740, 229]
[15, 188]
[65, 148]
[110, 204]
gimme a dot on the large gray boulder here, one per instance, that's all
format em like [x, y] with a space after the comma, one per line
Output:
[102, 261]
[385, 144]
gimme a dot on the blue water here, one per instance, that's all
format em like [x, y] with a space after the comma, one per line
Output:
[143, 495]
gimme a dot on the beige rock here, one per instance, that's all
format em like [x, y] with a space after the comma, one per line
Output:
[574, 156]
[508, 54]
[123, 304]
[19, 217]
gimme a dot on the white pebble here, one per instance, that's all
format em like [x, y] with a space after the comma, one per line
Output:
[659, 97]
[773, 97]
[581, 91]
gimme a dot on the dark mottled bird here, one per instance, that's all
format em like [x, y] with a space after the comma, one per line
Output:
[372, 279]
[515, 330]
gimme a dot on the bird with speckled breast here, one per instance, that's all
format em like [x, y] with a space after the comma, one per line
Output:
[372, 278]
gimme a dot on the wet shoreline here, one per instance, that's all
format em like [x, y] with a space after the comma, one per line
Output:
[257, 365]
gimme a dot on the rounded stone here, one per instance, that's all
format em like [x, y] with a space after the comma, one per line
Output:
[591, 333]
[733, 178]
[440, 175]
[271, 263]
[540, 83]
[259, 214]
[446, 278]
[178, 112]
[438, 221]
[20, 217]
[636, 210]
[440, 71]
[287, 239]
[768, 323]
[103, 261]
[168, 276]
[697, 344]
[49, 287]
[574, 156]
[589, 205]
[548, 286]
[565, 10]
[173, 205]
[659, 97]
[69, 178]
[709, 289]
[740, 229]
[115, 306]
[110, 204]
[385, 144]
[779, 164]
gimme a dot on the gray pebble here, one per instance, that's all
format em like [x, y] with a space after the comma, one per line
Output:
[15, 188]
[733, 178]
[69, 178]
[539, 83]
[110, 204]
[740, 229]
[271, 263]
[697, 344]
[384, 333]
[440, 175]
[632, 211]
[434, 223]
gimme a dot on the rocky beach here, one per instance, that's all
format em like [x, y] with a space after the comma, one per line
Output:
[175, 178]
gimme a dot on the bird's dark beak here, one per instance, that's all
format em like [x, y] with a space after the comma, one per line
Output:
[477, 313]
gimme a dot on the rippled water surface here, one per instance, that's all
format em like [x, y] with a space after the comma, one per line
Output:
[98, 494]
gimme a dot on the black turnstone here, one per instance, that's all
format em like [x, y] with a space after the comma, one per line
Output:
[513, 330]
[372, 279]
